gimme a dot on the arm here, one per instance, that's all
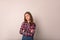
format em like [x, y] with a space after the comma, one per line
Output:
[31, 30]
[22, 29]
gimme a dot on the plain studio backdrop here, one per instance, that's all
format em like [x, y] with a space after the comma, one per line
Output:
[46, 14]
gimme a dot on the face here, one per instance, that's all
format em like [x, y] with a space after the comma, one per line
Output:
[27, 16]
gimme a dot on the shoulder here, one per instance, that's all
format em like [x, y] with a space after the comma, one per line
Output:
[23, 23]
[34, 23]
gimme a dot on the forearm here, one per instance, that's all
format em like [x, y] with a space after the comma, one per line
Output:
[21, 31]
[27, 34]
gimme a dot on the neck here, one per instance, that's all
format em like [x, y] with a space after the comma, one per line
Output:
[28, 21]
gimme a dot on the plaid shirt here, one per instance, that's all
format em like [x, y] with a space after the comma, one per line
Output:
[27, 29]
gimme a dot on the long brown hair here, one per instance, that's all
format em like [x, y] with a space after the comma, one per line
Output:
[31, 18]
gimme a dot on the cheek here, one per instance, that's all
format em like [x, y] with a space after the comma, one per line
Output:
[28, 17]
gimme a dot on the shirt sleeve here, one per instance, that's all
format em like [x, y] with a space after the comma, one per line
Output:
[22, 29]
[29, 33]
[32, 29]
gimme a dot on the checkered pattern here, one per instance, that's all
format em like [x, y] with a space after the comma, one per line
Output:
[27, 29]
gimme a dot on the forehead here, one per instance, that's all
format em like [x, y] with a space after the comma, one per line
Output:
[27, 15]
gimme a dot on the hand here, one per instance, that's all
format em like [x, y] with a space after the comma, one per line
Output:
[32, 31]
[23, 30]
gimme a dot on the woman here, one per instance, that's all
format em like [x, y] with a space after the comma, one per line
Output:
[28, 27]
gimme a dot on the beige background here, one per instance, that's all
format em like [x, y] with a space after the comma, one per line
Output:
[46, 15]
